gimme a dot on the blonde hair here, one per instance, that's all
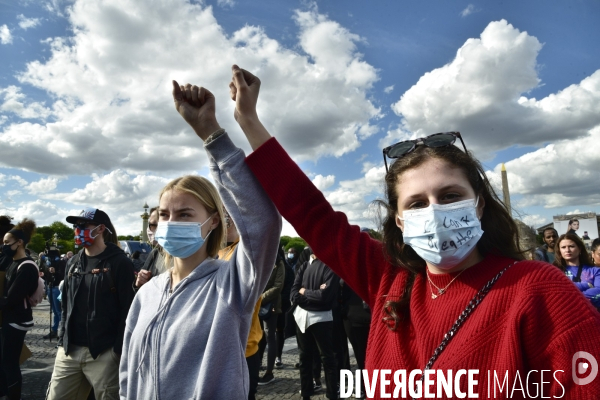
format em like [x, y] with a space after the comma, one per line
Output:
[207, 195]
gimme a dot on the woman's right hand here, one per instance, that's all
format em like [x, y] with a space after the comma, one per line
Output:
[143, 277]
[243, 89]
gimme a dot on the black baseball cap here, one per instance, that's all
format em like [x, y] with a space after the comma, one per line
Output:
[91, 215]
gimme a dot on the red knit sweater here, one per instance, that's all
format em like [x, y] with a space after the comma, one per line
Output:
[534, 318]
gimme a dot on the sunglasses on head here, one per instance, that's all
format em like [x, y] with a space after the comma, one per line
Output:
[405, 147]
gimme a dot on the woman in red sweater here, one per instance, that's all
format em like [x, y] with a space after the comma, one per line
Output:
[449, 250]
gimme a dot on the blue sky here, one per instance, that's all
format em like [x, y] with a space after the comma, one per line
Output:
[86, 117]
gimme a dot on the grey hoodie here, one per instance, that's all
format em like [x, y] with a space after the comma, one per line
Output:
[191, 344]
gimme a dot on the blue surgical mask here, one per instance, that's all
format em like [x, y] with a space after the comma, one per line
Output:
[180, 239]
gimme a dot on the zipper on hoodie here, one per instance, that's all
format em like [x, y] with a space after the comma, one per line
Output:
[157, 334]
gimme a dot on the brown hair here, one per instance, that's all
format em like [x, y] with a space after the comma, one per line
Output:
[206, 193]
[501, 233]
[559, 261]
[110, 235]
[5, 225]
[23, 230]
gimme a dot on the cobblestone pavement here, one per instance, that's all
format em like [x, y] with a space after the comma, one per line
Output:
[38, 369]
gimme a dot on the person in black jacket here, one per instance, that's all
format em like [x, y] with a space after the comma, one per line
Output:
[282, 318]
[314, 292]
[17, 317]
[5, 226]
[96, 297]
[154, 263]
[53, 268]
[356, 316]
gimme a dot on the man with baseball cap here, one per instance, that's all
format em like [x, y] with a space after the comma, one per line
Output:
[96, 297]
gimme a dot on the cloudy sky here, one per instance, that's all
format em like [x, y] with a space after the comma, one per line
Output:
[87, 119]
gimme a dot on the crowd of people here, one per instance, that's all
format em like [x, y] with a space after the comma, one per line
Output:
[196, 316]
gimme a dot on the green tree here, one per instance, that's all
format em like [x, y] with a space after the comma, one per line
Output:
[375, 234]
[64, 231]
[297, 243]
[66, 245]
[37, 243]
[46, 232]
[284, 240]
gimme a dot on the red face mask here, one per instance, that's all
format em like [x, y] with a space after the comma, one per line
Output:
[83, 236]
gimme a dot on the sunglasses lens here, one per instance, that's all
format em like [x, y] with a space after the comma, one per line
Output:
[400, 149]
[442, 140]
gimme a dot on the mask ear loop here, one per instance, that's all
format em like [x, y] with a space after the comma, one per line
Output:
[202, 224]
[476, 203]
[400, 221]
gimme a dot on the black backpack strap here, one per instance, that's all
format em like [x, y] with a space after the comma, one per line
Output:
[111, 280]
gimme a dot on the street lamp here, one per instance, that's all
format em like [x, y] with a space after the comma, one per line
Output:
[145, 216]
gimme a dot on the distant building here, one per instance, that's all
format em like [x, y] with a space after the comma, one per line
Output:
[588, 221]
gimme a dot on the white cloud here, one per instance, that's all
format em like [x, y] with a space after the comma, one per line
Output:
[2, 180]
[26, 23]
[120, 194]
[53, 6]
[560, 174]
[19, 180]
[534, 220]
[5, 35]
[353, 197]
[42, 212]
[43, 186]
[226, 3]
[481, 94]
[111, 87]
[323, 182]
[287, 229]
[468, 11]
[389, 89]
[115, 189]
[16, 103]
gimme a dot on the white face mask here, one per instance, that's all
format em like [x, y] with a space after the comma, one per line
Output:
[150, 235]
[443, 234]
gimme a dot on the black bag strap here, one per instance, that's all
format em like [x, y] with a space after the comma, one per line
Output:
[579, 271]
[463, 317]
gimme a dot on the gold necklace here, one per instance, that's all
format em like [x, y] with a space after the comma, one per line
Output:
[441, 291]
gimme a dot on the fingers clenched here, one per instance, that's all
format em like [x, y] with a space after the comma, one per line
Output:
[238, 78]
[232, 90]
[195, 90]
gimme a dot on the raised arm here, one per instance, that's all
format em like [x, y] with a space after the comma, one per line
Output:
[244, 89]
[254, 215]
[352, 255]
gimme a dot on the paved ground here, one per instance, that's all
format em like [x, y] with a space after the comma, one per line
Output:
[37, 370]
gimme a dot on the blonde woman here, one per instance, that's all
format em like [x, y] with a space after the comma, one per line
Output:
[187, 330]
